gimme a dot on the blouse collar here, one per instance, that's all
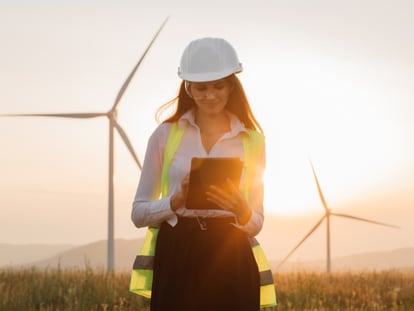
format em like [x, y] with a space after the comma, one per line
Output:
[236, 126]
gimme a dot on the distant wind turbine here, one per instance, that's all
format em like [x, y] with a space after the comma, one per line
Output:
[113, 124]
[328, 214]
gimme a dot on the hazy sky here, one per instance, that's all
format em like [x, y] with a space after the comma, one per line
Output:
[330, 81]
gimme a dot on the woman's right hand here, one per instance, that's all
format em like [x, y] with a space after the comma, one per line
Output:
[178, 199]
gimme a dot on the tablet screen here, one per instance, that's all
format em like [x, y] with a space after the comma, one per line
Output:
[210, 171]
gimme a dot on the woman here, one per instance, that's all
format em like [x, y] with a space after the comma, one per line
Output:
[203, 258]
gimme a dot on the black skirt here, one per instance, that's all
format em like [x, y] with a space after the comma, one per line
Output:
[204, 265]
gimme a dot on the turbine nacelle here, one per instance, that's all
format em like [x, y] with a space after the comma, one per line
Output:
[112, 114]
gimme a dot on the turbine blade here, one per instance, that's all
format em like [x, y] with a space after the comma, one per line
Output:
[127, 142]
[57, 115]
[364, 219]
[129, 78]
[321, 196]
[303, 240]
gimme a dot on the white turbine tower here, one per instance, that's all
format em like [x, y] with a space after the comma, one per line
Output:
[327, 215]
[113, 124]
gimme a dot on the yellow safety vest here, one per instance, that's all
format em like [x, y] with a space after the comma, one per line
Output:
[142, 273]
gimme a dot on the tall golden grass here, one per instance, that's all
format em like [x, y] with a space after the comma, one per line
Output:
[384, 290]
[88, 289]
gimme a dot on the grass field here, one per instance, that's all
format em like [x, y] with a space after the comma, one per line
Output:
[25, 290]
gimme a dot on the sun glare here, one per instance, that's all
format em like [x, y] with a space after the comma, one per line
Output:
[340, 121]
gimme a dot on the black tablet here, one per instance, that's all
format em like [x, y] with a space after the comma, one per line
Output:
[211, 171]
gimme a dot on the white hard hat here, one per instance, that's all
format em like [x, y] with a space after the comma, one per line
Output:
[208, 59]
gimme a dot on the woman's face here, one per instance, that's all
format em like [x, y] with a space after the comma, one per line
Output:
[210, 97]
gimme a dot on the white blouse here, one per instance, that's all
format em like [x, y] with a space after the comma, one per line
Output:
[151, 210]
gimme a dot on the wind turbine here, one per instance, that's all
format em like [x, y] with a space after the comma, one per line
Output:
[327, 215]
[111, 114]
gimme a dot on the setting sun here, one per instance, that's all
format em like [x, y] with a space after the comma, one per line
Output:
[339, 121]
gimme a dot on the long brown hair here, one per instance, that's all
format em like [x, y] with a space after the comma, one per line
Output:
[237, 104]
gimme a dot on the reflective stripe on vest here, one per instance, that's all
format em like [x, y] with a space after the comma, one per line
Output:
[142, 273]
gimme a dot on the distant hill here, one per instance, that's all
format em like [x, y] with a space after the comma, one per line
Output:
[94, 255]
[13, 254]
[400, 259]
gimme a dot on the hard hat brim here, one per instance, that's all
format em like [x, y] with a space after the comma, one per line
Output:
[208, 76]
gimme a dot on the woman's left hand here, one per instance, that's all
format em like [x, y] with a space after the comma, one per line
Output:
[231, 200]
